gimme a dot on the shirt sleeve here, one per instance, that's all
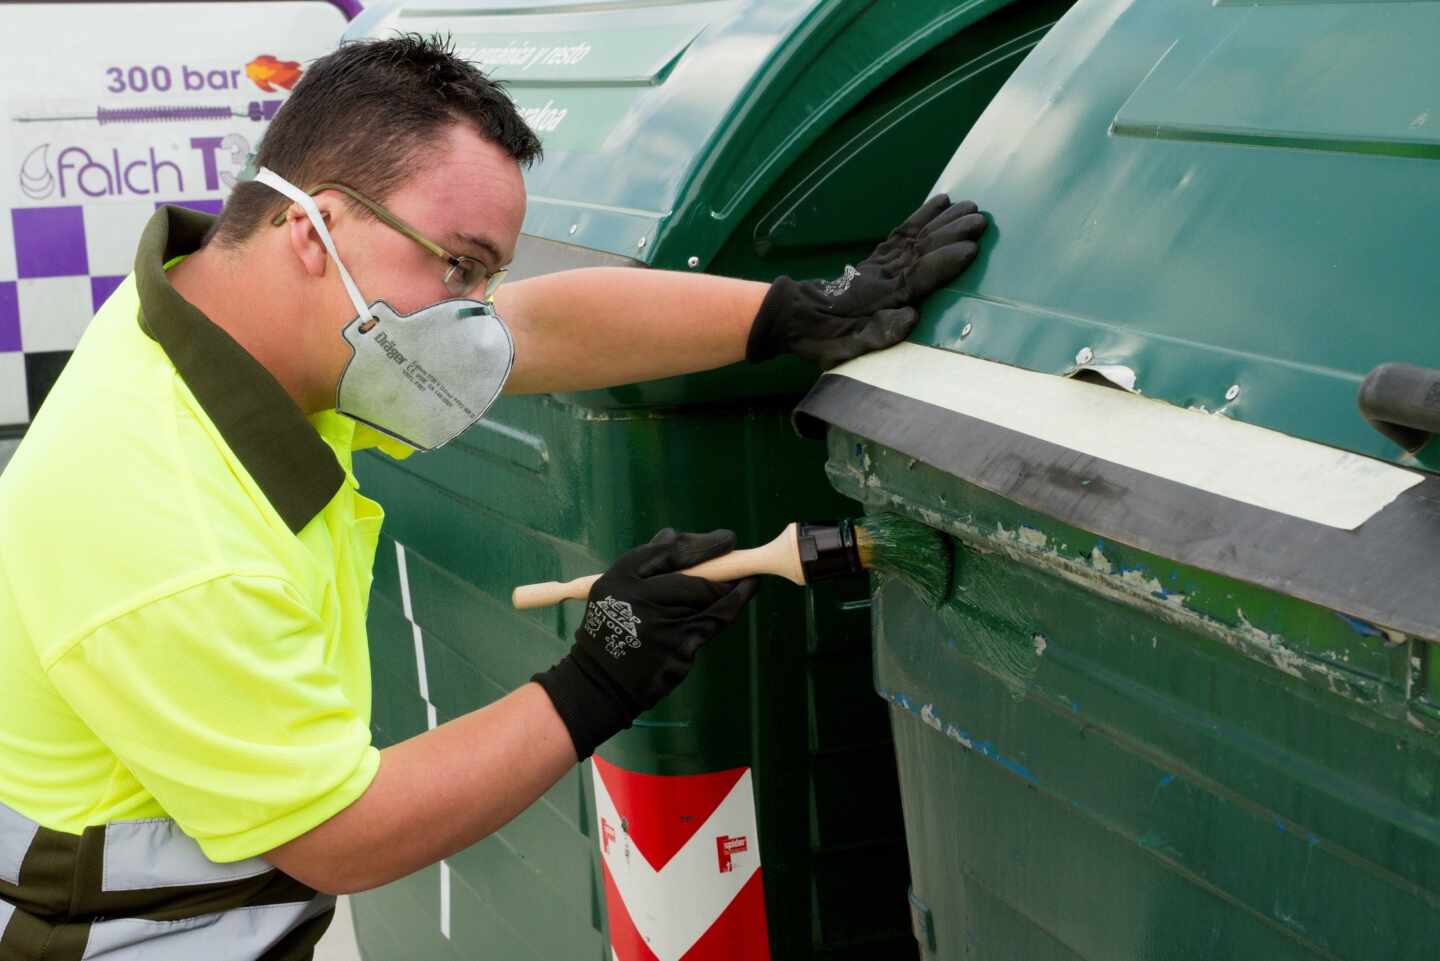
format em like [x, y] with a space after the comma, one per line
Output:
[219, 699]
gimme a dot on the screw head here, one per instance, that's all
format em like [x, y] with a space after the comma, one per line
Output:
[1084, 356]
[693, 262]
[1233, 392]
[573, 228]
[966, 330]
[643, 241]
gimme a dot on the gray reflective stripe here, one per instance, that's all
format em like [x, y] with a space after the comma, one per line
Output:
[16, 833]
[6, 911]
[242, 934]
[155, 853]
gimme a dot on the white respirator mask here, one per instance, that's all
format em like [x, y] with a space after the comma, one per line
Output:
[423, 378]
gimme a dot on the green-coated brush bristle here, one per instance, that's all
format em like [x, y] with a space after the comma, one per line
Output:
[919, 555]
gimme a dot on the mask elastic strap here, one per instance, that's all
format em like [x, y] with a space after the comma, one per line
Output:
[274, 181]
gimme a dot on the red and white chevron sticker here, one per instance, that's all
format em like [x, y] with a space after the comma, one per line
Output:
[681, 861]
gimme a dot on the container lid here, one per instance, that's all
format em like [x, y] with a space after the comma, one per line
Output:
[1234, 204]
[665, 121]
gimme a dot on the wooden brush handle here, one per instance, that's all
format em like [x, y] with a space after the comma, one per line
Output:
[780, 557]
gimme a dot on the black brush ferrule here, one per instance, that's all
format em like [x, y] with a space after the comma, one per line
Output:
[827, 550]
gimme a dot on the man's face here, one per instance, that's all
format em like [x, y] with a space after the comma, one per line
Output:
[467, 196]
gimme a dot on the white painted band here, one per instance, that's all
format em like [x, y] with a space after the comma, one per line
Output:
[1210, 452]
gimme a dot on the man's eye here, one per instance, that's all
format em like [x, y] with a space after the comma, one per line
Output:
[470, 272]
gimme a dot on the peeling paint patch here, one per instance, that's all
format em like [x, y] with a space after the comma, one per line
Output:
[1031, 537]
[1027, 537]
[985, 749]
[896, 698]
[1040, 645]
[1099, 561]
[1279, 655]
[955, 734]
[1143, 582]
[1098, 574]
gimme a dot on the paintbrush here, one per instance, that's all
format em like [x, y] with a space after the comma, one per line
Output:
[805, 554]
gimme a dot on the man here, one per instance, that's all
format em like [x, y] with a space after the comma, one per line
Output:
[185, 760]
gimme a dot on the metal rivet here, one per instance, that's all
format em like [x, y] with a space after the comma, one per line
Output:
[693, 262]
[573, 228]
[1233, 392]
[965, 331]
[642, 243]
[1085, 356]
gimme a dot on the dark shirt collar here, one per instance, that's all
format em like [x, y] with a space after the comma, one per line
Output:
[267, 431]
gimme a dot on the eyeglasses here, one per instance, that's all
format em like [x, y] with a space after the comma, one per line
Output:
[462, 274]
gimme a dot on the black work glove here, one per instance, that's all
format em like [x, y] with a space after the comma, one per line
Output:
[874, 305]
[643, 625]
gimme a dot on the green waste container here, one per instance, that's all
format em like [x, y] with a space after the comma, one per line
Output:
[1183, 701]
[755, 813]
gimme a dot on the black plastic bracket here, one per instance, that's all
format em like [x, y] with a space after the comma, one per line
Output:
[1402, 401]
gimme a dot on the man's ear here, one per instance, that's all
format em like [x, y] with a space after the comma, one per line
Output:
[305, 240]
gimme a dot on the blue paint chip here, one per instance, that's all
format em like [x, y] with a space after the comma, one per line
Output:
[983, 748]
[1361, 627]
[1165, 781]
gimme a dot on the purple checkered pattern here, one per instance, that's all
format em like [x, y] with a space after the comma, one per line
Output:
[50, 242]
[57, 266]
[9, 317]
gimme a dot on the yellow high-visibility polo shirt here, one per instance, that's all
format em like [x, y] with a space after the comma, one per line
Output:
[185, 560]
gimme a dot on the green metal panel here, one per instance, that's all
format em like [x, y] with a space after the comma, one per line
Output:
[1093, 770]
[761, 138]
[1214, 195]
[1107, 754]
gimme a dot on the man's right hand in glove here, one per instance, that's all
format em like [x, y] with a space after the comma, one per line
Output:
[441, 791]
[643, 625]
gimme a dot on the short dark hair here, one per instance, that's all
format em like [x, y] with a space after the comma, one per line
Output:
[362, 114]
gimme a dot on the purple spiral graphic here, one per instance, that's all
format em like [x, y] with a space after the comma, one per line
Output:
[109, 115]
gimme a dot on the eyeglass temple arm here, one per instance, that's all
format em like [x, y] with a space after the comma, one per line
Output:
[384, 215]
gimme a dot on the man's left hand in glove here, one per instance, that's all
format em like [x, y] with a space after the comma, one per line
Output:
[873, 305]
[597, 327]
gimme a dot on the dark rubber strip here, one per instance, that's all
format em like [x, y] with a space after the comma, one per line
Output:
[1386, 571]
